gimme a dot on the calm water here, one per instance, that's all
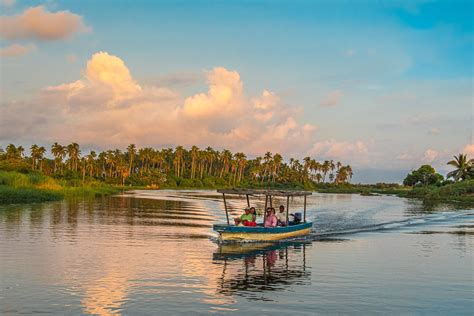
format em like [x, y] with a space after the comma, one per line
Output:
[154, 252]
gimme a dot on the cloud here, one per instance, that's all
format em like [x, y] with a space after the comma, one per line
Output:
[430, 155]
[434, 131]
[107, 107]
[182, 79]
[350, 52]
[37, 23]
[332, 99]
[224, 97]
[469, 150]
[71, 58]
[354, 152]
[7, 3]
[16, 50]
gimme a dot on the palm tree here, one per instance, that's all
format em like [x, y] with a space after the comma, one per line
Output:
[178, 160]
[59, 152]
[34, 155]
[91, 162]
[74, 153]
[464, 167]
[325, 169]
[40, 155]
[226, 158]
[277, 160]
[131, 152]
[194, 157]
[241, 161]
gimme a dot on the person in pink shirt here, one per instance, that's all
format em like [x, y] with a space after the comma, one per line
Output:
[271, 220]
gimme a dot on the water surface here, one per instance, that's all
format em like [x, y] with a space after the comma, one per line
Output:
[154, 252]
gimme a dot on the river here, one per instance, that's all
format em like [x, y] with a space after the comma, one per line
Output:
[154, 252]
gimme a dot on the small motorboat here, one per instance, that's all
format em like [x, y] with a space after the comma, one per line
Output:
[295, 228]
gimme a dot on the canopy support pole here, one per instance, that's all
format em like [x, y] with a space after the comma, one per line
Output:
[225, 207]
[287, 209]
[304, 209]
[248, 201]
[265, 209]
[271, 201]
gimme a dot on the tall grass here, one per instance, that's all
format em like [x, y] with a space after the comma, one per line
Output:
[16, 187]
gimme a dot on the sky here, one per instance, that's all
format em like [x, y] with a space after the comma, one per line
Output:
[384, 86]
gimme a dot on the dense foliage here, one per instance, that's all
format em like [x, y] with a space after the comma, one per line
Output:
[425, 175]
[178, 167]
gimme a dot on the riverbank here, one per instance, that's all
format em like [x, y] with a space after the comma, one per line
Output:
[18, 188]
[462, 192]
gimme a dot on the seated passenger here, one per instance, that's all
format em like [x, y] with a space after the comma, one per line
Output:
[247, 217]
[281, 216]
[271, 219]
[253, 222]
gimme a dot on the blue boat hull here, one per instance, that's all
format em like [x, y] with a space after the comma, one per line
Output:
[259, 233]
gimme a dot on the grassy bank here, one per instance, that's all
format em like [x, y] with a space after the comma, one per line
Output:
[16, 187]
[452, 192]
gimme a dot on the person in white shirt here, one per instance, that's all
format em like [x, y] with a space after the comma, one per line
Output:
[281, 216]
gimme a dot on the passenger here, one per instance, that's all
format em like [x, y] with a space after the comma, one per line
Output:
[281, 216]
[253, 222]
[247, 217]
[271, 220]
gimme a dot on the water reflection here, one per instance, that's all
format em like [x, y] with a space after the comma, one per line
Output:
[250, 270]
[154, 251]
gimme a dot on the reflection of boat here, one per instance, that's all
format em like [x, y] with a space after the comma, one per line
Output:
[229, 232]
[250, 269]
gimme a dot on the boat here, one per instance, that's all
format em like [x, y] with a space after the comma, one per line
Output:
[231, 233]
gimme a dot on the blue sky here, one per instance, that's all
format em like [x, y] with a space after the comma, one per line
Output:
[392, 78]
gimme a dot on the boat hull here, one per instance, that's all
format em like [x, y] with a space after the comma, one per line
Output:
[242, 233]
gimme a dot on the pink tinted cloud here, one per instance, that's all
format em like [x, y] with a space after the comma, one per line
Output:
[38, 23]
[107, 107]
[469, 150]
[16, 50]
[354, 152]
[430, 155]
[332, 99]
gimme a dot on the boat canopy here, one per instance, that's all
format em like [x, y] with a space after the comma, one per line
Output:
[264, 192]
[268, 193]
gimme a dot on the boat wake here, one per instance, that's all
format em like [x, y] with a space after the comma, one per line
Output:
[442, 218]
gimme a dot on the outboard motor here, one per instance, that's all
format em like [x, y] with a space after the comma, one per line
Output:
[297, 218]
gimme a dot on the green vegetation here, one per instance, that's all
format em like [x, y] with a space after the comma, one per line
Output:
[174, 168]
[425, 175]
[16, 187]
[38, 178]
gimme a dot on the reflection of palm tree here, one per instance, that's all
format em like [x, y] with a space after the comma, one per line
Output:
[464, 167]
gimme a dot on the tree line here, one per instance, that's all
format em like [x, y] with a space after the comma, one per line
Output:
[427, 175]
[142, 166]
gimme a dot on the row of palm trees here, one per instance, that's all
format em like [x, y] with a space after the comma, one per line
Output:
[194, 164]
